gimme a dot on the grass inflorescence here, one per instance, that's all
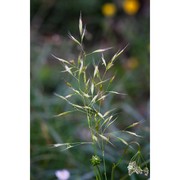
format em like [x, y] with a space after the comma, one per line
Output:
[92, 87]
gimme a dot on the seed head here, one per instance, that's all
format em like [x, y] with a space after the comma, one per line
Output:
[95, 160]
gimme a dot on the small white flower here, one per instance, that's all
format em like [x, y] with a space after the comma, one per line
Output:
[146, 171]
[62, 174]
[134, 168]
[131, 167]
[138, 170]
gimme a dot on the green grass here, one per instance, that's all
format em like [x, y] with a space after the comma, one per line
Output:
[46, 79]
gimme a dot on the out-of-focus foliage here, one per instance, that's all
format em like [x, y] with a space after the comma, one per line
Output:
[109, 23]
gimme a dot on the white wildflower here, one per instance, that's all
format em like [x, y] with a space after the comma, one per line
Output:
[134, 168]
[131, 167]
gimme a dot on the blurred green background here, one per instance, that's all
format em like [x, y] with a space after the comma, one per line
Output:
[109, 23]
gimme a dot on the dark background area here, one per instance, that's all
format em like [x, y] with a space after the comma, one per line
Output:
[122, 22]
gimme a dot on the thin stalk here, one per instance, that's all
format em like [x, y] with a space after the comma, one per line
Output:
[99, 172]
[96, 174]
[104, 163]
[89, 125]
[112, 172]
[115, 165]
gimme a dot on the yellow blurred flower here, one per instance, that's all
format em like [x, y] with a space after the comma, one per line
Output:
[132, 63]
[109, 9]
[131, 7]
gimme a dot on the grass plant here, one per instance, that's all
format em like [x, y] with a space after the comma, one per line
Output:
[92, 87]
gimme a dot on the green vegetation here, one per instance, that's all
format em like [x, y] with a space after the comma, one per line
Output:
[102, 110]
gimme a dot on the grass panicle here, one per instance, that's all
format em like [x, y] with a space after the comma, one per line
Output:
[93, 89]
